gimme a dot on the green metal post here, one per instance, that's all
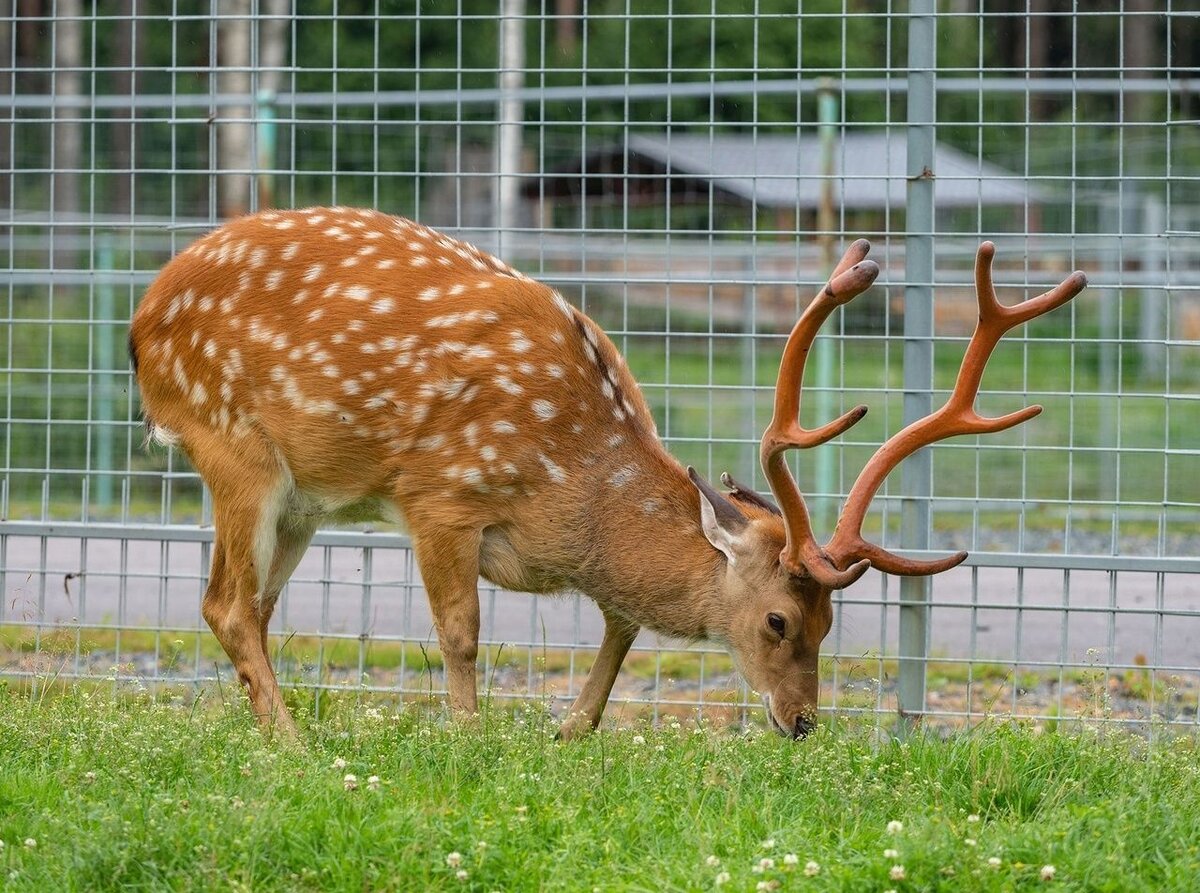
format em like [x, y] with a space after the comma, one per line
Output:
[916, 477]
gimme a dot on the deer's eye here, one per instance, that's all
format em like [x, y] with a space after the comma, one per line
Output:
[776, 622]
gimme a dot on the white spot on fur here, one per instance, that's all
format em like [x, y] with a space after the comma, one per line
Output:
[488, 453]
[503, 427]
[520, 344]
[622, 476]
[651, 506]
[509, 386]
[383, 305]
[273, 279]
[432, 293]
[432, 442]
[313, 272]
[544, 409]
[553, 469]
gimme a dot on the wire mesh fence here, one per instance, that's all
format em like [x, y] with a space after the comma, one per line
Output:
[685, 172]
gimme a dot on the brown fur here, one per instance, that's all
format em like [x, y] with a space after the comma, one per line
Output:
[335, 363]
[497, 421]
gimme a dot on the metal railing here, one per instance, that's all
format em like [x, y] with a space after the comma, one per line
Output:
[122, 140]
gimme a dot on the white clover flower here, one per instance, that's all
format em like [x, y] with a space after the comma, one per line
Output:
[339, 763]
[712, 861]
[89, 777]
[766, 864]
[350, 782]
[373, 783]
[812, 869]
[897, 873]
[994, 862]
[791, 859]
[454, 859]
[461, 874]
[721, 878]
[31, 843]
[891, 854]
[972, 818]
[766, 885]
[1048, 872]
[483, 845]
[639, 740]
[894, 827]
[2, 845]
[970, 841]
[768, 844]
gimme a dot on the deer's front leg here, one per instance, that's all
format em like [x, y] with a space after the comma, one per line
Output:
[449, 562]
[585, 714]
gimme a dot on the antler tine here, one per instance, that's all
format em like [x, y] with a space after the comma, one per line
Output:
[957, 416]
[801, 554]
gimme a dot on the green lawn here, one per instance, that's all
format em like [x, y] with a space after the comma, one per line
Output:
[99, 792]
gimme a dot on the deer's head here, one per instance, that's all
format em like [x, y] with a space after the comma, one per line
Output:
[778, 581]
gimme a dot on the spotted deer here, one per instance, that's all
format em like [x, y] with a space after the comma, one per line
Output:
[336, 364]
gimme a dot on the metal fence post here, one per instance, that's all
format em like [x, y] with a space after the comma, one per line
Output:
[916, 477]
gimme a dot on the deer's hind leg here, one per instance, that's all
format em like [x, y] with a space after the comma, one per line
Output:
[449, 562]
[255, 549]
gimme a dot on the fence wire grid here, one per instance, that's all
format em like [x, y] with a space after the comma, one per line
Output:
[687, 173]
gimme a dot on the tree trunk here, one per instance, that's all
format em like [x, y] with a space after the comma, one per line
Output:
[1140, 56]
[127, 51]
[67, 133]
[8, 61]
[235, 128]
[273, 45]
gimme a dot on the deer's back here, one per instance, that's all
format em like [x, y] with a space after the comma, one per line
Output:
[372, 353]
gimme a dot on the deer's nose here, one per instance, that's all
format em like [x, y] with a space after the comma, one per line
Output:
[803, 726]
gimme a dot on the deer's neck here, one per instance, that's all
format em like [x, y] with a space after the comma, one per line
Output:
[647, 558]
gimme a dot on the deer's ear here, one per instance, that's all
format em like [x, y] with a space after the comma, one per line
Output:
[723, 524]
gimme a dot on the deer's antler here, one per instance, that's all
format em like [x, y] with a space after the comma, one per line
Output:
[801, 555]
[957, 416]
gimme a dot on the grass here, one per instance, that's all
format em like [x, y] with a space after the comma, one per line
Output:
[119, 792]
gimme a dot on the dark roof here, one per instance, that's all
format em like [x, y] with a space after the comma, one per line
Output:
[783, 171]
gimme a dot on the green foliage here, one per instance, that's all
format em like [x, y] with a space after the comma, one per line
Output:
[119, 792]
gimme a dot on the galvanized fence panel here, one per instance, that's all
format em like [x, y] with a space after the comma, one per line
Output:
[685, 172]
